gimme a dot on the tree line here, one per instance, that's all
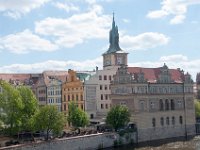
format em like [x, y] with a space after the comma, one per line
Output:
[20, 112]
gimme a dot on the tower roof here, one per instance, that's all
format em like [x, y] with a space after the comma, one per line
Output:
[114, 39]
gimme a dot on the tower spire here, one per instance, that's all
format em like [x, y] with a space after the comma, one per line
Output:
[113, 22]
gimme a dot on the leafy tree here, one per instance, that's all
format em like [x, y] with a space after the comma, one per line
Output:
[11, 105]
[77, 117]
[197, 108]
[118, 117]
[49, 119]
[30, 107]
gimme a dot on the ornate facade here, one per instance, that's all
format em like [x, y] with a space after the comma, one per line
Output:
[160, 101]
[72, 90]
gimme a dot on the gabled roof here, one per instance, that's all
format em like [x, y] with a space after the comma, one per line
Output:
[152, 74]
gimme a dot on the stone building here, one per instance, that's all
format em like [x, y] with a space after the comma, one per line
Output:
[72, 90]
[48, 89]
[97, 88]
[160, 101]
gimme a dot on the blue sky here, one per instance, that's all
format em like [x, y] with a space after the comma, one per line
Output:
[38, 35]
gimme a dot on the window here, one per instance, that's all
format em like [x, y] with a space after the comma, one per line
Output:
[105, 77]
[101, 106]
[173, 120]
[64, 98]
[172, 104]
[100, 87]
[105, 87]
[100, 77]
[106, 96]
[123, 103]
[101, 96]
[181, 120]
[81, 97]
[153, 122]
[64, 107]
[72, 97]
[110, 78]
[162, 121]
[152, 105]
[161, 104]
[77, 97]
[167, 120]
[166, 104]
[106, 106]
[179, 104]
[91, 116]
[68, 97]
[82, 106]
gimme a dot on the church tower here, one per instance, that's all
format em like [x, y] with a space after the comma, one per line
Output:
[114, 57]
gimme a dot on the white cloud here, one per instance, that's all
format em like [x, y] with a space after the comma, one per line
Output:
[77, 28]
[24, 42]
[173, 62]
[66, 6]
[52, 65]
[177, 19]
[16, 8]
[143, 41]
[174, 58]
[176, 8]
[191, 66]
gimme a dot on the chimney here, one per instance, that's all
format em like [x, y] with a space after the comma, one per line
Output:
[96, 68]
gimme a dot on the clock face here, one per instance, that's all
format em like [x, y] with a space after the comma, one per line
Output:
[107, 62]
[119, 60]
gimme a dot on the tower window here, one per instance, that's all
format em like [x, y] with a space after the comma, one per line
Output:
[100, 77]
[105, 77]
[153, 122]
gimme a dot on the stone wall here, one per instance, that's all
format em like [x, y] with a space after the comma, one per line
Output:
[87, 142]
[151, 134]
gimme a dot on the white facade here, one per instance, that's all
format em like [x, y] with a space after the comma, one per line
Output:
[97, 93]
[54, 95]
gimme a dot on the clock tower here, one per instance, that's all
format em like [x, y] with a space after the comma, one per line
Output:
[114, 57]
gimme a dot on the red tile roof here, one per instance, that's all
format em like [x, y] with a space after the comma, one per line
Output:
[20, 77]
[152, 74]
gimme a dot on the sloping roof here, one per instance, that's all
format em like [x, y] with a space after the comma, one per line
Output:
[59, 75]
[10, 76]
[152, 74]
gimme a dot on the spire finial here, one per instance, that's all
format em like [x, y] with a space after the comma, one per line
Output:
[113, 23]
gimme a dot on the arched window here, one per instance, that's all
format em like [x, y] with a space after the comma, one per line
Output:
[167, 120]
[166, 104]
[181, 120]
[68, 97]
[172, 104]
[64, 98]
[162, 121]
[77, 97]
[153, 122]
[161, 104]
[173, 120]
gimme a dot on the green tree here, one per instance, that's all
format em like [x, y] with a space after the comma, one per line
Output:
[11, 106]
[30, 107]
[77, 117]
[118, 117]
[49, 119]
[197, 108]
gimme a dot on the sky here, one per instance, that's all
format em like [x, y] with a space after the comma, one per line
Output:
[38, 35]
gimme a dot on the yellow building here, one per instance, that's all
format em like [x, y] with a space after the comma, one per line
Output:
[72, 90]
